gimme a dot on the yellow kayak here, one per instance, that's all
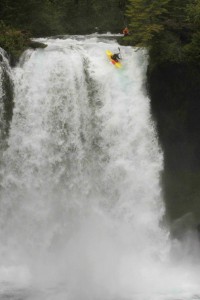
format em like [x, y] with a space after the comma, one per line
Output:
[116, 63]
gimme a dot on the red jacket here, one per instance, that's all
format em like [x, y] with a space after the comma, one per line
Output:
[126, 31]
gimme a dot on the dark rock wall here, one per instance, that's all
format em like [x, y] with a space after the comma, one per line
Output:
[6, 97]
[175, 99]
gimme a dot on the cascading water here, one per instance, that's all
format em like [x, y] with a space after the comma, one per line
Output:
[81, 204]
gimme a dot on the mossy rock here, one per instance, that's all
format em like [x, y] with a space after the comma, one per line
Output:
[126, 41]
[35, 45]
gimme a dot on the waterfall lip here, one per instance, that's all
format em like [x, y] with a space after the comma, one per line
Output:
[107, 38]
[83, 37]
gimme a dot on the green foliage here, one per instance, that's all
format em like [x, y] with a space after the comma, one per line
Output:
[40, 17]
[167, 47]
[146, 19]
[169, 28]
[51, 17]
[177, 11]
[192, 49]
[13, 41]
[93, 15]
[193, 13]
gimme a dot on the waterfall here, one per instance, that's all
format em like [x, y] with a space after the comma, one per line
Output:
[81, 202]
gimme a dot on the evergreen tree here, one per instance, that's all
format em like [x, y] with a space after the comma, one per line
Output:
[40, 17]
[192, 48]
[193, 12]
[146, 19]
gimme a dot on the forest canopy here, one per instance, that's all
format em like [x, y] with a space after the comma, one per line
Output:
[170, 29]
[50, 17]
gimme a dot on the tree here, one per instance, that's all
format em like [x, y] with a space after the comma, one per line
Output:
[50, 17]
[146, 19]
[193, 12]
[192, 48]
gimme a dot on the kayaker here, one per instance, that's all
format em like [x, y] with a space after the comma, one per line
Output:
[116, 56]
[126, 31]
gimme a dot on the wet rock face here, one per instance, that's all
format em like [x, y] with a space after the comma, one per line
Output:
[6, 95]
[8, 98]
[175, 99]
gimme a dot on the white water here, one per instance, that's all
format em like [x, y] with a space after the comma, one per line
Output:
[81, 203]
